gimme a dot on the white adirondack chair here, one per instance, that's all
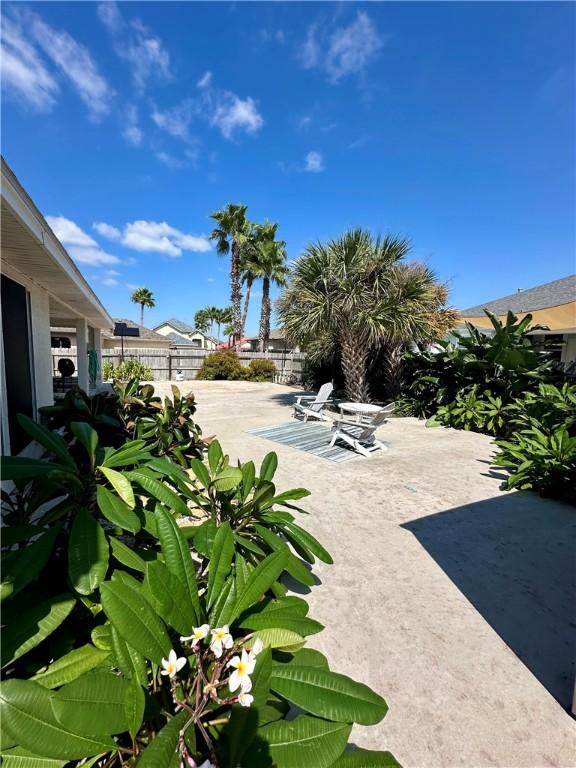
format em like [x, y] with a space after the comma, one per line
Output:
[361, 435]
[311, 406]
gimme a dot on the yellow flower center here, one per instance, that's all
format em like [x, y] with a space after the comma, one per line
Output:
[220, 634]
[242, 668]
[170, 668]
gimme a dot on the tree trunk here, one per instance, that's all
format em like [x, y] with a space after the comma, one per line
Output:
[218, 324]
[392, 365]
[235, 293]
[355, 352]
[141, 314]
[264, 334]
[246, 302]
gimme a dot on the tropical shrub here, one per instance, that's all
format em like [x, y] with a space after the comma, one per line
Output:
[133, 369]
[107, 370]
[129, 639]
[505, 364]
[262, 370]
[223, 365]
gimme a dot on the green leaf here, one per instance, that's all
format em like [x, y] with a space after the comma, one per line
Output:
[33, 626]
[84, 433]
[117, 511]
[204, 537]
[14, 534]
[28, 718]
[305, 741]
[134, 704]
[158, 490]
[200, 471]
[261, 677]
[237, 735]
[328, 694]
[291, 495]
[177, 556]
[160, 753]
[21, 468]
[309, 657]
[227, 479]
[127, 556]
[129, 660]
[307, 541]
[28, 563]
[170, 598]
[88, 553]
[260, 580]
[135, 620]
[93, 704]
[269, 466]
[294, 566]
[220, 561]
[129, 453]
[121, 485]
[276, 637]
[302, 625]
[52, 441]
[20, 758]
[366, 758]
[215, 455]
[101, 636]
[72, 665]
[223, 607]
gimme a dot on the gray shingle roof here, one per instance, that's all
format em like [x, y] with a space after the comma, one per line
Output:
[145, 333]
[180, 340]
[551, 294]
[178, 325]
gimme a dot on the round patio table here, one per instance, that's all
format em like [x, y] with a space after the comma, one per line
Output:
[359, 410]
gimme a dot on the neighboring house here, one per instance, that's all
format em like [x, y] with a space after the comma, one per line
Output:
[276, 343]
[147, 338]
[182, 334]
[552, 305]
[41, 288]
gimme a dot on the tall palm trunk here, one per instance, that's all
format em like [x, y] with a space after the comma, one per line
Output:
[392, 367]
[265, 312]
[236, 294]
[141, 314]
[355, 365]
[249, 282]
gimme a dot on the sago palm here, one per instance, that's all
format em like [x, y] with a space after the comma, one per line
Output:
[355, 293]
[230, 234]
[145, 298]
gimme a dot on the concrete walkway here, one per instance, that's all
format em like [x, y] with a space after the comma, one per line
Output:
[448, 596]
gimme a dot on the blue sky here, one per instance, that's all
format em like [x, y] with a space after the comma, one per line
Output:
[449, 123]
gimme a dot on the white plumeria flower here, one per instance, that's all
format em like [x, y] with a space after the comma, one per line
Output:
[172, 664]
[245, 699]
[198, 633]
[243, 668]
[221, 638]
[257, 647]
[207, 764]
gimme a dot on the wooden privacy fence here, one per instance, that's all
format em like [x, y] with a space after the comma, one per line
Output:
[167, 364]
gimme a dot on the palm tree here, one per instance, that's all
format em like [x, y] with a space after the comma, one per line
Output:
[145, 298]
[230, 234]
[272, 262]
[250, 261]
[223, 317]
[229, 333]
[202, 321]
[354, 294]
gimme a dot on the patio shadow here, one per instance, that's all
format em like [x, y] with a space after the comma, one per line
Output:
[513, 558]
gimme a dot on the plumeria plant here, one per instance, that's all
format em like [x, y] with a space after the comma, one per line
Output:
[132, 639]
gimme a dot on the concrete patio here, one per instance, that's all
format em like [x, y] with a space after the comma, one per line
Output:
[450, 597]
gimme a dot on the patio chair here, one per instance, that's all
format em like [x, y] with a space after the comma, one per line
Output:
[311, 406]
[360, 436]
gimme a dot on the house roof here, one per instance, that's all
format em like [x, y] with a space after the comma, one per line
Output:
[182, 341]
[276, 334]
[145, 333]
[30, 248]
[178, 325]
[544, 296]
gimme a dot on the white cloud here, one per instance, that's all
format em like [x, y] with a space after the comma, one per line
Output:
[110, 282]
[205, 80]
[107, 230]
[210, 280]
[169, 160]
[24, 75]
[81, 247]
[314, 162]
[76, 63]
[131, 130]
[175, 121]
[68, 232]
[156, 237]
[344, 52]
[235, 114]
[134, 43]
